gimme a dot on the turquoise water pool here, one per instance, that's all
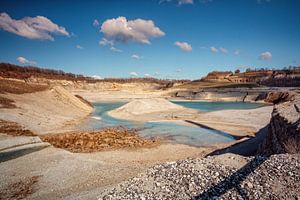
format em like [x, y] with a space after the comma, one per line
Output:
[176, 133]
[214, 106]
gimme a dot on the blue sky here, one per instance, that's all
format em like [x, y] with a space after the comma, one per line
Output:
[184, 39]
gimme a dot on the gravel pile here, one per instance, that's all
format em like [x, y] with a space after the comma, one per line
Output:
[276, 177]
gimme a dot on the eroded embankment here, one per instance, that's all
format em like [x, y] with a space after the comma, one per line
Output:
[42, 109]
[284, 129]
[264, 94]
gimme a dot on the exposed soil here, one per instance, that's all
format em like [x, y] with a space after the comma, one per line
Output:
[105, 139]
[19, 87]
[6, 103]
[14, 129]
[20, 189]
[84, 100]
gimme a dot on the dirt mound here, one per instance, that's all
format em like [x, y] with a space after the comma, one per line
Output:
[14, 129]
[46, 111]
[106, 139]
[144, 106]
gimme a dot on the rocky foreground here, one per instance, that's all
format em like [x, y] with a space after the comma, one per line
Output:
[275, 177]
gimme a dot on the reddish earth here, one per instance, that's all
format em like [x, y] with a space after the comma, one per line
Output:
[14, 129]
[20, 189]
[105, 139]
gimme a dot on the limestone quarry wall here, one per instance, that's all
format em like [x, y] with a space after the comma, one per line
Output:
[284, 130]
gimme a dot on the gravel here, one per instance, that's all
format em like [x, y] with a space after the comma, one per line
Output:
[275, 177]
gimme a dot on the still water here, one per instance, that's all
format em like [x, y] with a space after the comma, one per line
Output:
[176, 133]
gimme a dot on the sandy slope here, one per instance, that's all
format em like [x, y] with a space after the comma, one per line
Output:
[65, 175]
[151, 109]
[46, 111]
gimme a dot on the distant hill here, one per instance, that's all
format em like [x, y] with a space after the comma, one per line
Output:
[25, 72]
[276, 78]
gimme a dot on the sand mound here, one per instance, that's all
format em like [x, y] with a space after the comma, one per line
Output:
[145, 106]
[46, 111]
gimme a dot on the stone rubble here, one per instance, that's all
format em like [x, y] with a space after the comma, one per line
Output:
[275, 177]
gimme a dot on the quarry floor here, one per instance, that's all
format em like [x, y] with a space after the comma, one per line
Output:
[60, 174]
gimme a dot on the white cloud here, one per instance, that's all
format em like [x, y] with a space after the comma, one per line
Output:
[236, 52]
[178, 70]
[266, 56]
[122, 30]
[96, 23]
[180, 2]
[184, 46]
[32, 27]
[112, 48]
[223, 50]
[133, 74]
[135, 56]
[147, 75]
[79, 47]
[214, 49]
[104, 42]
[24, 61]
[96, 77]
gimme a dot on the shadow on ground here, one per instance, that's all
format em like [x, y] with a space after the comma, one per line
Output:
[245, 148]
[233, 181]
[6, 156]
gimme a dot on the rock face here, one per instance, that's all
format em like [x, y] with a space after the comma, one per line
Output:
[278, 97]
[284, 130]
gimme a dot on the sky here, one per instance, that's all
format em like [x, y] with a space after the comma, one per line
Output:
[182, 39]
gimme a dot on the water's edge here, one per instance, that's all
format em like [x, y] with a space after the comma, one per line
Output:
[183, 134]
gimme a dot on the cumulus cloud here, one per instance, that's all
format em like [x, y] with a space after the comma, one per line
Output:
[134, 74]
[79, 47]
[266, 55]
[135, 56]
[180, 2]
[96, 23]
[184, 46]
[147, 76]
[32, 27]
[112, 48]
[96, 77]
[223, 50]
[122, 30]
[24, 61]
[214, 49]
[105, 42]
